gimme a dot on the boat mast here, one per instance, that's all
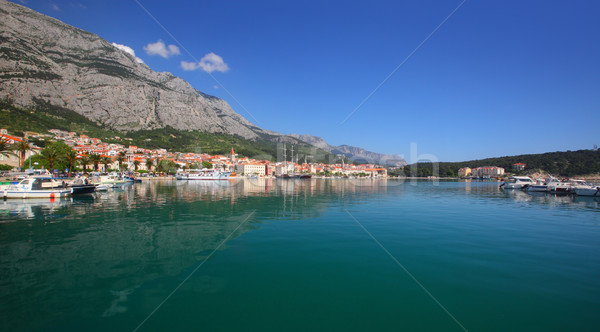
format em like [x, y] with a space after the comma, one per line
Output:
[293, 158]
[284, 158]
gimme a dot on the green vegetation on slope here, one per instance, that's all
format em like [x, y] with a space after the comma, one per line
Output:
[46, 117]
[569, 163]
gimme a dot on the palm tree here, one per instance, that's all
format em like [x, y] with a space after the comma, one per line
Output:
[85, 160]
[106, 161]
[136, 163]
[5, 148]
[95, 159]
[50, 154]
[121, 159]
[71, 159]
[149, 164]
[23, 146]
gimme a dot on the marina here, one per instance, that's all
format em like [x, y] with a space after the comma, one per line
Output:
[277, 251]
[303, 166]
[552, 185]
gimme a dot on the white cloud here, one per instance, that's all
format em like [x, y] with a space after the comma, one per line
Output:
[77, 5]
[159, 48]
[209, 63]
[55, 6]
[215, 87]
[188, 65]
[129, 50]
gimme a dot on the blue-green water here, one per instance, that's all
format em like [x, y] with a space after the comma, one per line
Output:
[327, 255]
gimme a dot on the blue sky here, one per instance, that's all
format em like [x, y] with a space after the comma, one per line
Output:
[497, 78]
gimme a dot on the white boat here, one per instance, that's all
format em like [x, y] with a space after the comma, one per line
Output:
[517, 182]
[35, 187]
[593, 191]
[538, 186]
[204, 174]
[551, 185]
[556, 186]
[582, 188]
[102, 187]
[112, 181]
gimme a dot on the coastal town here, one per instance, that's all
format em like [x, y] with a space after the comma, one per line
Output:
[131, 158]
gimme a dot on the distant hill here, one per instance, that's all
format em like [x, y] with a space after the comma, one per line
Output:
[569, 163]
[354, 153]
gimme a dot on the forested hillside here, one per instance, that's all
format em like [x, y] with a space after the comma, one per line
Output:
[569, 163]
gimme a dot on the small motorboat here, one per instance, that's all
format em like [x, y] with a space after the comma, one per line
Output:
[582, 188]
[593, 192]
[112, 180]
[81, 186]
[102, 187]
[517, 182]
[204, 174]
[556, 186]
[36, 187]
[539, 186]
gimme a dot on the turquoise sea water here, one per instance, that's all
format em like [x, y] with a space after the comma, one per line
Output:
[323, 255]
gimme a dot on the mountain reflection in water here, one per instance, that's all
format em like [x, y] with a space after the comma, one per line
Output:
[82, 261]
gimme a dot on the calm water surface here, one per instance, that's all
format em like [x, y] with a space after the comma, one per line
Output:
[327, 255]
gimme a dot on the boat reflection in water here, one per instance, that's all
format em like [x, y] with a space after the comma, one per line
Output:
[32, 207]
[552, 198]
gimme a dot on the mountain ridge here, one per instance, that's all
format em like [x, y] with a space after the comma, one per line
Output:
[68, 67]
[352, 152]
[45, 62]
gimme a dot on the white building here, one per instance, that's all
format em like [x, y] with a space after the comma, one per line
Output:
[251, 169]
[487, 171]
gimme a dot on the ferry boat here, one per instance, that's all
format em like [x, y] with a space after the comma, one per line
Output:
[204, 174]
[517, 182]
[35, 187]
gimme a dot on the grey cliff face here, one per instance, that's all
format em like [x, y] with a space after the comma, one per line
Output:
[353, 152]
[45, 60]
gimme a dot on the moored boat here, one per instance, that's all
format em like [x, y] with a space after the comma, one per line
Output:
[538, 186]
[582, 188]
[112, 181]
[556, 186]
[296, 176]
[81, 186]
[204, 174]
[517, 182]
[592, 191]
[35, 187]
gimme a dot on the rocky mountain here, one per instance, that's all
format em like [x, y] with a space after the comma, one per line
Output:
[43, 60]
[353, 152]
